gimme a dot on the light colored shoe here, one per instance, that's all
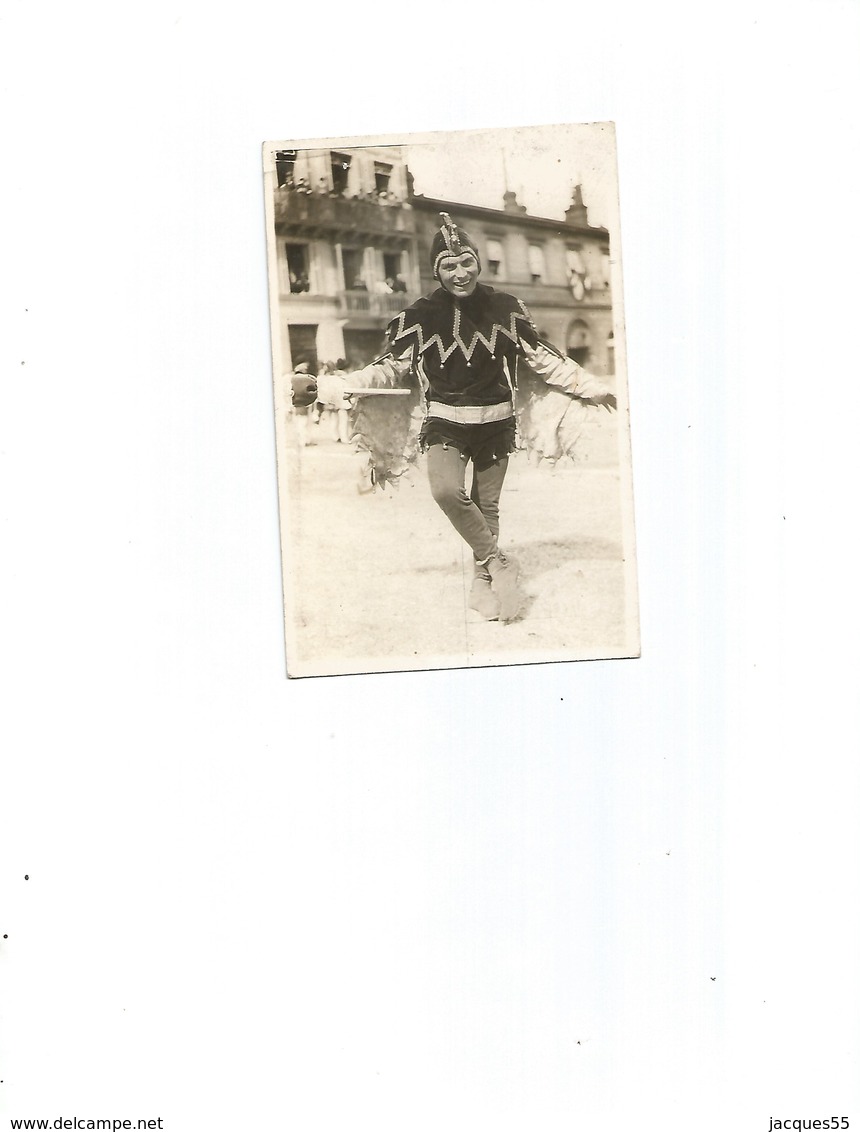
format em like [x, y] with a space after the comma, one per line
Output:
[481, 597]
[504, 574]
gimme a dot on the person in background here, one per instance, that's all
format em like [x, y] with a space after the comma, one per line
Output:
[300, 395]
[331, 398]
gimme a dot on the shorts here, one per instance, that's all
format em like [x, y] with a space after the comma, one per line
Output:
[484, 444]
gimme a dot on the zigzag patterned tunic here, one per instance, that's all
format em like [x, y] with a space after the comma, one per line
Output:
[471, 366]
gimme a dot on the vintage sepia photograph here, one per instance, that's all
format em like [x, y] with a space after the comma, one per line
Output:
[451, 400]
[429, 646]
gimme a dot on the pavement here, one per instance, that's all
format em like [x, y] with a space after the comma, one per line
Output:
[379, 582]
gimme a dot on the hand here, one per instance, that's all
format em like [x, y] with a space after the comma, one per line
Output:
[607, 401]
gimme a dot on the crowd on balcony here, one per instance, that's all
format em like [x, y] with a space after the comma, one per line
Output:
[302, 185]
[390, 285]
[300, 284]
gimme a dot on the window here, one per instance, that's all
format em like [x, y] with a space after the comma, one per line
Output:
[575, 266]
[391, 264]
[395, 274]
[285, 163]
[495, 259]
[536, 263]
[353, 266]
[298, 268]
[577, 277]
[340, 163]
[382, 173]
[579, 342]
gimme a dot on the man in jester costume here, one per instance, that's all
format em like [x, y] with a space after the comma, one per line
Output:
[479, 383]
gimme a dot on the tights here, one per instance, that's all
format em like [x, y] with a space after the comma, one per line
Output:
[474, 515]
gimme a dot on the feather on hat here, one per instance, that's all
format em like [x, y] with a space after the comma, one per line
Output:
[450, 240]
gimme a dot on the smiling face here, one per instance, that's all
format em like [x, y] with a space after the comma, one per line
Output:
[459, 274]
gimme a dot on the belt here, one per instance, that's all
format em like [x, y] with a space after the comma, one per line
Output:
[470, 414]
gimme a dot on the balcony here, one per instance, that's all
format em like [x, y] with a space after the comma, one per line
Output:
[321, 216]
[555, 295]
[365, 304]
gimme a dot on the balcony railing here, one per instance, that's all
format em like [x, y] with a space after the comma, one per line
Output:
[553, 294]
[372, 305]
[338, 217]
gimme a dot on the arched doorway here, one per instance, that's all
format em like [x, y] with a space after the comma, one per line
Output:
[579, 341]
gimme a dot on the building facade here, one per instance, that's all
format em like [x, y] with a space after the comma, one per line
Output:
[353, 249]
[343, 225]
[560, 269]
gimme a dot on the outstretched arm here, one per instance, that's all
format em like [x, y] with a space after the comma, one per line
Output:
[566, 374]
[386, 428]
[386, 372]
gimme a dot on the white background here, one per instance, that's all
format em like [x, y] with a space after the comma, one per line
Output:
[617, 895]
